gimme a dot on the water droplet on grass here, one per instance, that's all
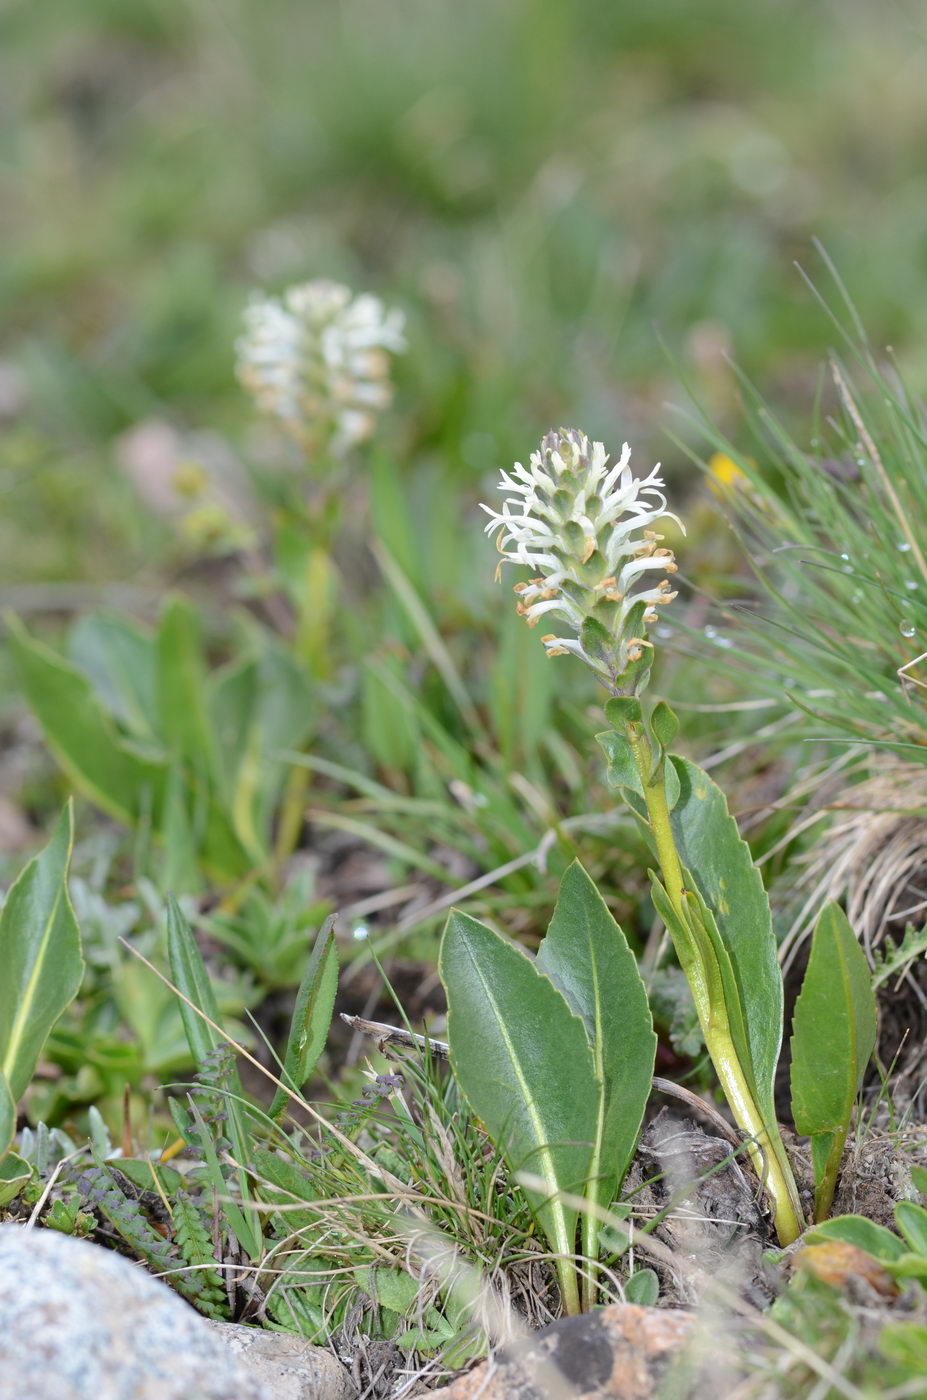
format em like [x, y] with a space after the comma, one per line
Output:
[906, 627]
[903, 546]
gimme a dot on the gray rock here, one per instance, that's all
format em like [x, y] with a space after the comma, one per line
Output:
[82, 1323]
[293, 1367]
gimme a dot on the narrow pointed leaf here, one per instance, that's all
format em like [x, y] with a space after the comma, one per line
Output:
[189, 974]
[523, 1061]
[720, 864]
[833, 1029]
[192, 980]
[40, 955]
[586, 956]
[312, 1015]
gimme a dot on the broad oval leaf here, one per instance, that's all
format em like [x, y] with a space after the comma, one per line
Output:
[586, 956]
[523, 1061]
[40, 955]
[833, 1028]
[875, 1239]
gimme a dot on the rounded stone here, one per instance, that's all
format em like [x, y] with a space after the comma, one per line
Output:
[83, 1323]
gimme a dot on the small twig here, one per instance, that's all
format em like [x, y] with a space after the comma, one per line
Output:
[702, 1106]
[385, 1035]
[40, 1203]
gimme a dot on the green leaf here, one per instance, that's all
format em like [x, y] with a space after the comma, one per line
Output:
[910, 1265]
[911, 1220]
[919, 1179]
[596, 641]
[15, 1174]
[148, 1174]
[391, 1288]
[891, 959]
[720, 864]
[643, 1288]
[865, 1234]
[834, 1027]
[622, 773]
[664, 724]
[523, 1061]
[82, 735]
[40, 956]
[116, 773]
[242, 1219]
[586, 956]
[833, 1036]
[192, 981]
[7, 1117]
[622, 770]
[622, 710]
[312, 1015]
[183, 714]
[905, 1343]
[119, 659]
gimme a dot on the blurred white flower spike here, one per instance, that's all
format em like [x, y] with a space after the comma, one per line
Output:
[585, 529]
[318, 360]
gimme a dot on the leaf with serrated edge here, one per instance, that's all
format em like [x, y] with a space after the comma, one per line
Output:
[586, 955]
[523, 1061]
[40, 955]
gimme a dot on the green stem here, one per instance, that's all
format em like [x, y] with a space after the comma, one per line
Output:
[290, 821]
[766, 1148]
[827, 1182]
[569, 1289]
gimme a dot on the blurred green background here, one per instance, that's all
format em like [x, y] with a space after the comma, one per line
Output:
[548, 189]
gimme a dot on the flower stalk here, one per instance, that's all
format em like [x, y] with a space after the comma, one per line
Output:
[698, 960]
[586, 530]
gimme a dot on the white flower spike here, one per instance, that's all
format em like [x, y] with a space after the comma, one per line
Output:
[318, 361]
[584, 527]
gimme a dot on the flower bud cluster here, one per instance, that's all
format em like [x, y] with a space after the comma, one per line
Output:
[318, 361]
[584, 528]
